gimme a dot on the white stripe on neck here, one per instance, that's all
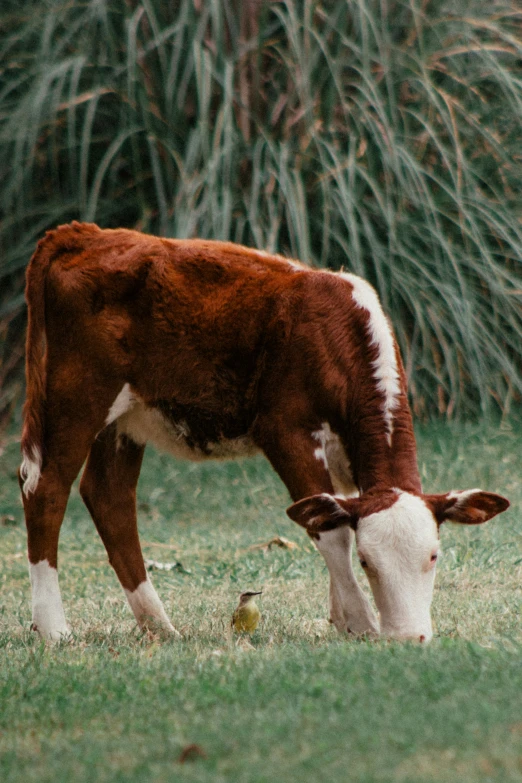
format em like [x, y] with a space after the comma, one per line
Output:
[385, 369]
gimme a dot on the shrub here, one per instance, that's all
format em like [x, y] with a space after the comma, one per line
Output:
[379, 136]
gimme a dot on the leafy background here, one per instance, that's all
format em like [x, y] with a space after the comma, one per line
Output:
[379, 136]
[296, 701]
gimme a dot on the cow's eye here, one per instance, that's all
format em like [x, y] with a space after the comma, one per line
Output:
[434, 557]
[363, 563]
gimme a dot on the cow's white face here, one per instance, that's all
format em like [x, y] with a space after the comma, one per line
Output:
[398, 549]
[397, 543]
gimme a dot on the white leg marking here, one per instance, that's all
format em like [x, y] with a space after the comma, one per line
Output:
[147, 606]
[385, 369]
[349, 607]
[48, 614]
[31, 470]
[123, 402]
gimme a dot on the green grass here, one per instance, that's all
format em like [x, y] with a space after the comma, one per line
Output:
[298, 702]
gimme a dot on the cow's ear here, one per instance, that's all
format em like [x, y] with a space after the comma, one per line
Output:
[320, 513]
[468, 506]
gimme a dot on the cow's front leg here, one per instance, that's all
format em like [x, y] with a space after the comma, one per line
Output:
[350, 609]
[294, 454]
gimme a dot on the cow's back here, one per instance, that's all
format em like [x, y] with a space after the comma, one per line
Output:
[141, 303]
[187, 325]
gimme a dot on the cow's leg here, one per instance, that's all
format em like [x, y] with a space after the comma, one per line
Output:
[66, 446]
[304, 470]
[108, 488]
[338, 544]
[44, 509]
[336, 548]
[350, 609]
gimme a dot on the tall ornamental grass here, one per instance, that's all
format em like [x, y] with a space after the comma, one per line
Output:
[382, 136]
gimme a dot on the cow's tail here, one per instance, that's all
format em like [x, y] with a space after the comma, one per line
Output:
[35, 369]
[66, 239]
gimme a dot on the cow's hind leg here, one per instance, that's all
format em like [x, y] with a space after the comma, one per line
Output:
[45, 499]
[108, 488]
[44, 509]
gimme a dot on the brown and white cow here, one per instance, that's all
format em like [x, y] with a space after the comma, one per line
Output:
[210, 350]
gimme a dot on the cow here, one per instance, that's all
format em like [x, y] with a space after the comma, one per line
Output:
[209, 350]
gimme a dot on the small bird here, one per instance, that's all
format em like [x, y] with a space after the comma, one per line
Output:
[246, 616]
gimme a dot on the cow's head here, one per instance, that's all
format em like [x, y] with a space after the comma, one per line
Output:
[397, 536]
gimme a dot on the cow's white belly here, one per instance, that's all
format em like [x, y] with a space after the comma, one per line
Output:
[144, 424]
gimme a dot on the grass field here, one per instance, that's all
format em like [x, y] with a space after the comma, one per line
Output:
[297, 702]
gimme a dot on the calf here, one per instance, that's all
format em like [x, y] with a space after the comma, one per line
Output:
[210, 350]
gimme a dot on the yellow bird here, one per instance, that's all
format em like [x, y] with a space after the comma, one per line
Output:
[246, 616]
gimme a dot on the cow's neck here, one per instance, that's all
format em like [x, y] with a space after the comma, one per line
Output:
[381, 461]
